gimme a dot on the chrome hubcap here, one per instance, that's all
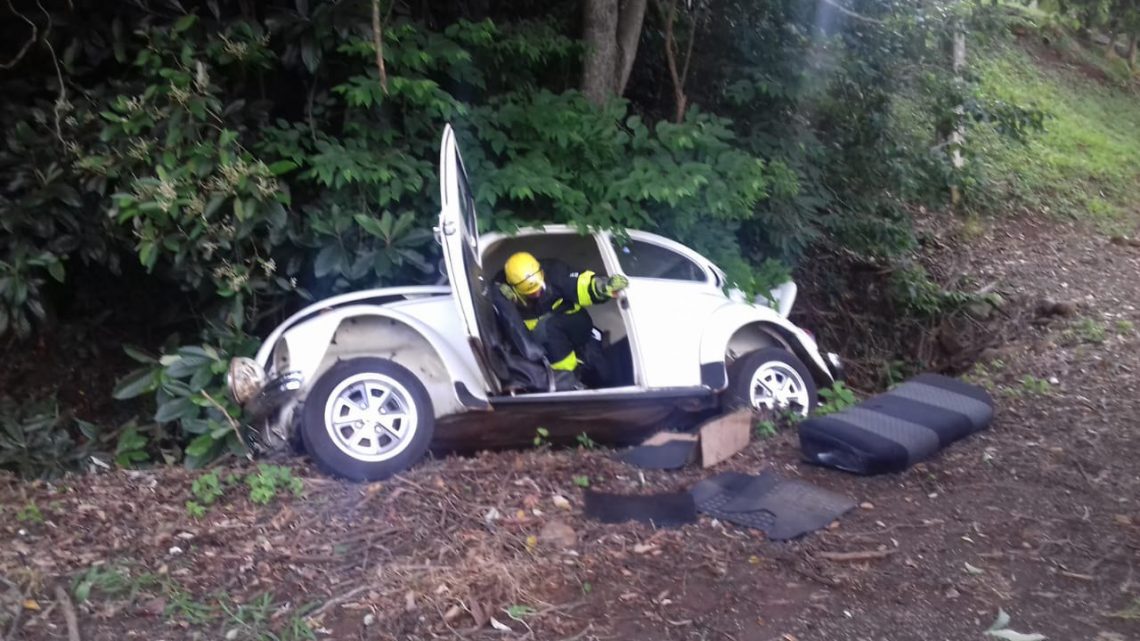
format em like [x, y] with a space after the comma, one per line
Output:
[778, 386]
[370, 417]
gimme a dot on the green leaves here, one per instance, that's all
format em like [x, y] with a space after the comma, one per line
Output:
[269, 480]
[130, 448]
[191, 396]
[136, 383]
[836, 398]
[36, 439]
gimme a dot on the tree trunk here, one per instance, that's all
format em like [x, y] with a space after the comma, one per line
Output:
[958, 136]
[612, 31]
[1132, 52]
[628, 36]
[600, 34]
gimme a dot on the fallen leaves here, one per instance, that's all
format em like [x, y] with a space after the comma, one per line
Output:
[559, 534]
[155, 607]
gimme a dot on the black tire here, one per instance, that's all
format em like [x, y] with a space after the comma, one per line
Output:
[330, 457]
[740, 374]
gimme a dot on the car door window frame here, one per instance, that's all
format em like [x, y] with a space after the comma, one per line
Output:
[703, 269]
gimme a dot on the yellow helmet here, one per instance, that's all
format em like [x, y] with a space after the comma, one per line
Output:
[524, 274]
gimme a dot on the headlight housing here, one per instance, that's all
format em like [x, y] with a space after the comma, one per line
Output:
[837, 370]
[245, 379]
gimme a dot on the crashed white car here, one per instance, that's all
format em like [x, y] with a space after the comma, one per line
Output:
[367, 381]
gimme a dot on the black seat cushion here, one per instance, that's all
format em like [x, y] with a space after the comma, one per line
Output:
[513, 328]
[894, 430]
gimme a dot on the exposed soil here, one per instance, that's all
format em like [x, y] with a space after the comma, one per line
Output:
[1036, 516]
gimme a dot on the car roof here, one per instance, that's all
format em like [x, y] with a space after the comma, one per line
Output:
[490, 238]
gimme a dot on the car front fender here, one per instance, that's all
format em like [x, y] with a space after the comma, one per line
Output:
[310, 342]
[729, 320]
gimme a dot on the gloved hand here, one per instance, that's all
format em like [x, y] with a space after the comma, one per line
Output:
[616, 283]
[509, 293]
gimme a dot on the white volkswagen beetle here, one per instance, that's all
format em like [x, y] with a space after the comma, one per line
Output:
[365, 382]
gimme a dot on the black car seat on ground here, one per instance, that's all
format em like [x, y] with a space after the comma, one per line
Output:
[894, 430]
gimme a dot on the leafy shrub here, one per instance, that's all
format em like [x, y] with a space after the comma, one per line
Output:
[37, 440]
[207, 488]
[918, 295]
[836, 398]
[30, 513]
[190, 392]
[764, 429]
[269, 479]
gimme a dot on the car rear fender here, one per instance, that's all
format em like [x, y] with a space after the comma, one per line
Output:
[735, 330]
[348, 332]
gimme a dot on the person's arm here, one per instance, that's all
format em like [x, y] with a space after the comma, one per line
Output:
[584, 287]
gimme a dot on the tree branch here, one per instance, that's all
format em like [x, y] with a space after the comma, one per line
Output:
[631, 17]
[671, 57]
[68, 613]
[689, 52]
[862, 555]
[233, 423]
[847, 12]
[27, 45]
[60, 101]
[378, 41]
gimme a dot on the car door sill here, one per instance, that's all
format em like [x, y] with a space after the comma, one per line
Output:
[629, 393]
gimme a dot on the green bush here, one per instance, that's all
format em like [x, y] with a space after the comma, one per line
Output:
[37, 440]
[188, 384]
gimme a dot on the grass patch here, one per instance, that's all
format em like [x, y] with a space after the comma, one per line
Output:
[261, 618]
[1034, 386]
[1090, 331]
[1086, 164]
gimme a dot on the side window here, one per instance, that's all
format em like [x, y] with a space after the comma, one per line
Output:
[467, 204]
[646, 260]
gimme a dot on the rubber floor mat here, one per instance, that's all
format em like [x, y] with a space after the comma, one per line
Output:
[668, 456]
[661, 510]
[784, 509]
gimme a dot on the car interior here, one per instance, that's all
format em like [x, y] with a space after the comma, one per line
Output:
[521, 367]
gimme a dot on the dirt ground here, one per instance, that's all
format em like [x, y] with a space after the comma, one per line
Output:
[1036, 517]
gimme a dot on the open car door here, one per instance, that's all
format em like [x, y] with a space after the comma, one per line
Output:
[459, 237]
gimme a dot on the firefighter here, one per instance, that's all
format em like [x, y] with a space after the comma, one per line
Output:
[552, 297]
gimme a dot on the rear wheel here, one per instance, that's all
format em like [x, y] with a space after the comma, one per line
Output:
[771, 379]
[366, 419]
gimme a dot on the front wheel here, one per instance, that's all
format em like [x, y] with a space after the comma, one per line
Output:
[366, 419]
[771, 379]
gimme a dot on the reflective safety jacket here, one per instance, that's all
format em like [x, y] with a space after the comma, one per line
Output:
[566, 291]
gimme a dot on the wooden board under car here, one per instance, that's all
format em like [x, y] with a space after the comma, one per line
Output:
[724, 436]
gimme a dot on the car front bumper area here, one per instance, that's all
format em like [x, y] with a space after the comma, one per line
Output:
[835, 366]
[257, 396]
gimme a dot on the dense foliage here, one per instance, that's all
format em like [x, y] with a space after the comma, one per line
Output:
[252, 156]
